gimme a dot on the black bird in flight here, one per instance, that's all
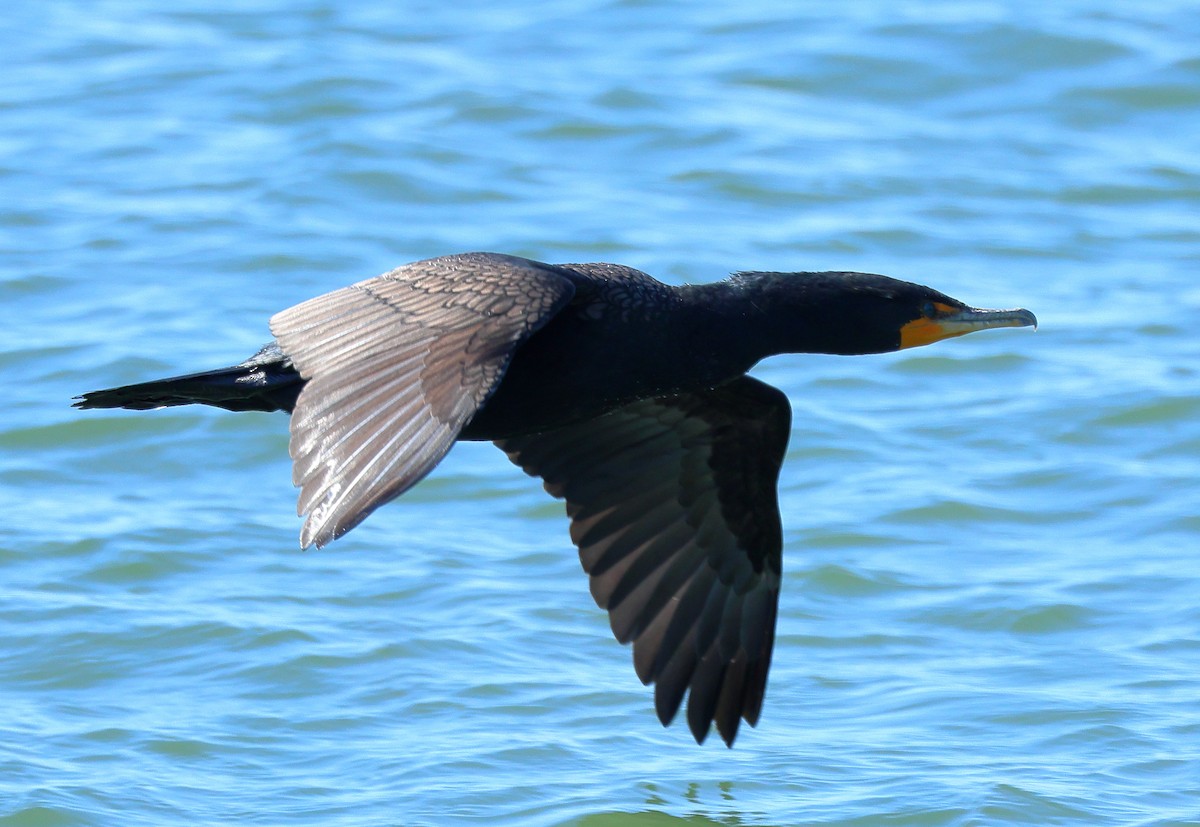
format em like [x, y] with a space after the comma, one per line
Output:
[628, 397]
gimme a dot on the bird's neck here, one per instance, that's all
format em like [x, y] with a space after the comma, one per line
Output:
[717, 330]
[749, 319]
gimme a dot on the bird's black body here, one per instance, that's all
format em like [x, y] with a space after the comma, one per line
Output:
[627, 396]
[632, 330]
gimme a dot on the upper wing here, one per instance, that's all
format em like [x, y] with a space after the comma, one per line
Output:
[395, 366]
[674, 508]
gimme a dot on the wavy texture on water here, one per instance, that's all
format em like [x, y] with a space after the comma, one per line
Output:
[989, 611]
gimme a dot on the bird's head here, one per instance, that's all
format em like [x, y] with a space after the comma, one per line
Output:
[857, 313]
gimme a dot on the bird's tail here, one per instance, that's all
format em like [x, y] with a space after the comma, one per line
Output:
[264, 382]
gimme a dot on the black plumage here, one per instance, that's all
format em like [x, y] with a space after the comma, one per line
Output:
[626, 396]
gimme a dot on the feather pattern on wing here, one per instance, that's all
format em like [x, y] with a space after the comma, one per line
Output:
[396, 365]
[674, 508]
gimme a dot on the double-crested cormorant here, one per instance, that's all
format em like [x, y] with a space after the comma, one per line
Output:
[628, 397]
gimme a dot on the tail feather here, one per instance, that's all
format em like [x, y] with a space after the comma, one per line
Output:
[264, 382]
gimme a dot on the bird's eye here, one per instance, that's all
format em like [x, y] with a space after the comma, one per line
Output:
[928, 310]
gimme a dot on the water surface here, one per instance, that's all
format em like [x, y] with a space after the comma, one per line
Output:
[989, 612]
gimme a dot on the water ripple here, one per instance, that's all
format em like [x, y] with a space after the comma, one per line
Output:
[988, 610]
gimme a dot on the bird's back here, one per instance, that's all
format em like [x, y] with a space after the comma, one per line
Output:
[624, 336]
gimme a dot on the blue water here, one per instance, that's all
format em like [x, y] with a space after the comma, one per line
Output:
[990, 602]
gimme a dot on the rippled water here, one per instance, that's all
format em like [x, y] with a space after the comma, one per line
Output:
[989, 612]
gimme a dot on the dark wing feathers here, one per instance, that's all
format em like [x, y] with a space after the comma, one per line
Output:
[673, 506]
[396, 365]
